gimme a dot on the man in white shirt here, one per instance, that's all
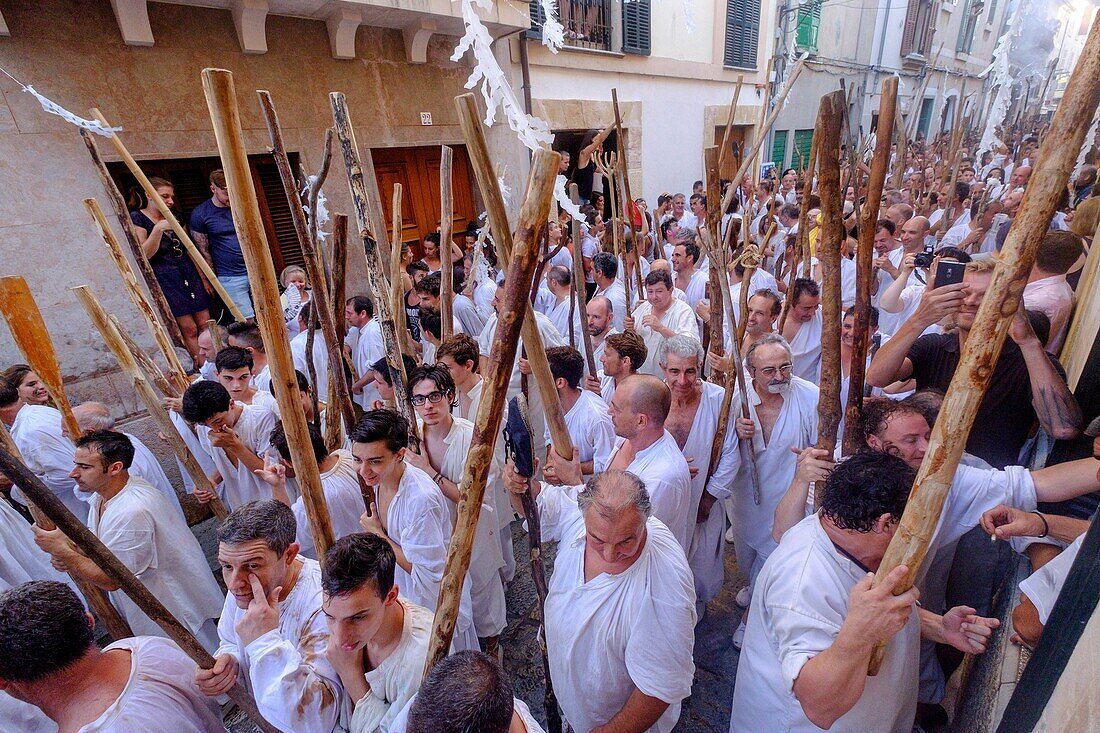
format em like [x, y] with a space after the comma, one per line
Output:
[590, 428]
[623, 353]
[49, 659]
[207, 352]
[685, 256]
[135, 522]
[561, 312]
[815, 618]
[465, 318]
[802, 329]
[959, 208]
[248, 337]
[660, 317]
[273, 633]
[889, 253]
[601, 324]
[234, 370]
[605, 269]
[320, 352]
[369, 348]
[1047, 290]
[379, 641]
[620, 613]
[235, 436]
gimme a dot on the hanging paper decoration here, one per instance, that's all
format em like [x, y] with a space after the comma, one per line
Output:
[56, 109]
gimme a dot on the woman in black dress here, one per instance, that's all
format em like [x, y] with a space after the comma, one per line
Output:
[184, 289]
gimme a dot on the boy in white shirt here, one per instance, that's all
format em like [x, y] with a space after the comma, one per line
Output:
[233, 370]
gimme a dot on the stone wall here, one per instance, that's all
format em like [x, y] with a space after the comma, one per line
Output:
[73, 53]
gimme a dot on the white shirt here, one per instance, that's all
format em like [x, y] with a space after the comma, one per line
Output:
[616, 633]
[467, 315]
[239, 485]
[910, 298]
[1054, 297]
[1043, 586]
[368, 349]
[617, 295]
[550, 337]
[806, 348]
[160, 693]
[679, 319]
[48, 454]
[343, 498]
[320, 361]
[20, 559]
[590, 429]
[155, 543]
[667, 478]
[286, 669]
[146, 466]
[262, 380]
[191, 439]
[559, 315]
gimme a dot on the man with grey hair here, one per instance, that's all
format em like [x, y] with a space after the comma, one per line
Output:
[273, 633]
[783, 416]
[620, 613]
[693, 422]
[95, 416]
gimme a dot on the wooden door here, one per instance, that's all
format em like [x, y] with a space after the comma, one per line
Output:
[417, 170]
[737, 149]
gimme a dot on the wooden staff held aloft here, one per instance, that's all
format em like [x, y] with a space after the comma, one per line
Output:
[145, 362]
[715, 322]
[865, 253]
[156, 199]
[626, 201]
[375, 239]
[955, 156]
[802, 236]
[321, 309]
[830, 118]
[123, 214]
[902, 142]
[221, 99]
[578, 282]
[1054, 162]
[523, 258]
[446, 256]
[215, 335]
[115, 341]
[176, 371]
[338, 260]
[750, 259]
[93, 548]
[725, 148]
[397, 283]
[95, 596]
[636, 237]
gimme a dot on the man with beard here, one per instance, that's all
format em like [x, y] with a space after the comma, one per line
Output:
[601, 324]
[802, 330]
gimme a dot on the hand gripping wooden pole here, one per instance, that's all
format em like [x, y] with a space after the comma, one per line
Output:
[478, 150]
[523, 258]
[868, 215]
[221, 99]
[375, 240]
[175, 369]
[322, 309]
[118, 203]
[95, 596]
[94, 549]
[28, 330]
[578, 281]
[1054, 162]
[155, 198]
[446, 256]
[114, 339]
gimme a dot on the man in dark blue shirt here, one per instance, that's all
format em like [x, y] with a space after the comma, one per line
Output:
[214, 234]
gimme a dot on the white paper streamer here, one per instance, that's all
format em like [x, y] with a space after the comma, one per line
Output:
[56, 109]
[553, 34]
[1086, 147]
[322, 209]
[505, 191]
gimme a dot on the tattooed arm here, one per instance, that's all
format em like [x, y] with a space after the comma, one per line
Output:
[203, 244]
[1054, 404]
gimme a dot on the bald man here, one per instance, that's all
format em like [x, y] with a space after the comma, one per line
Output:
[601, 324]
[914, 235]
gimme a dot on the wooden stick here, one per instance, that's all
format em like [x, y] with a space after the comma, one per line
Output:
[338, 253]
[156, 293]
[955, 156]
[114, 340]
[712, 157]
[321, 309]
[95, 596]
[28, 330]
[91, 547]
[221, 99]
[397, 286]
[215, 335]
[901, 139]
[372, 231]
[763, 113]
[145, 362]
[802, 236]
[757, 143]
[620, 171]
[314, 199]
[129, 280]
[830, 119]
[578, 280]
[446, 222]
[725, 148]
[868, 215]
[523, 257]
[470, 121]
[918, 98]
[1054, 162]
[627, 210]
[156, 200]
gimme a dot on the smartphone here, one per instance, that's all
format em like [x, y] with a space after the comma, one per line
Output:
[948, 273]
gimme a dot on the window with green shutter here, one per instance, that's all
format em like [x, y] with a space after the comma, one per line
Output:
[802, 141]
[807, 25]
[969, 23]
[742, 33]
[779, 149]
[636, 18]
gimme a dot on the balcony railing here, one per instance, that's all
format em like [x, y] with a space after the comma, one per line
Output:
[587, 23]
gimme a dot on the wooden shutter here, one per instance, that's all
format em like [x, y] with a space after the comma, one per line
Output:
[909, 33]
[802, 142]
[742, 33]
[275, 212]
[537, 19]
[636, 22]
[779, 149]
[807, 26]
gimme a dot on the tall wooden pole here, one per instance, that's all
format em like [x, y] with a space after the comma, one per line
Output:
[578, 281]
[321, 309]
[397, 284]
[156, 200]
[725, 149]
[898, 179]
[865, 254]
[115, 341]
[446, 223]
[712, 157]
[626, 201]
[156, 293]
[523, 258]
[129, 280]
[338, 254]
[221, 99]
[1054, 162]
[90, 546]
[760, 131]
[945, 222]
[802, 236]
[830, 119]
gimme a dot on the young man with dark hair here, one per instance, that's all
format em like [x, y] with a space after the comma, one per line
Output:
[233, 368]
[136, 522]
[248, 337]
[660, 317]
[410, 513]
[460, 355]
[465, 315]
[586, 417]
[623, 354]
[273, 634]
[49, 659]
[802, 329]
[431, 332]
[1047, 290]
[338, 481]
[235, 436]
[383, 379]
[378, 640]
[605, 270]
[369, 348]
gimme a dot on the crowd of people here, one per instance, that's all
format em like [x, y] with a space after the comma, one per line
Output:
[657, 491]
